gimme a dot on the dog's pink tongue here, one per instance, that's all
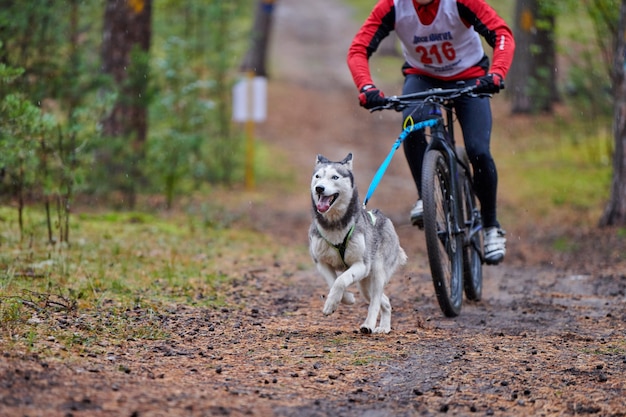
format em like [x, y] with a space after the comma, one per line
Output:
[323, 204]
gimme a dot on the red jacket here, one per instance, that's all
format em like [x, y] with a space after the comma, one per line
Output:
[477, 13]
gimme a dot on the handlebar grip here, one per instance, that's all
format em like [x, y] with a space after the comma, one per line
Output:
[390, 103]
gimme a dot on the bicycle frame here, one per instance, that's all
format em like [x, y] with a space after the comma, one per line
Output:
[443, 140]
[447, 146]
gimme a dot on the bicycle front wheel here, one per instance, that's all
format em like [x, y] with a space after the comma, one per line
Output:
[444, 244]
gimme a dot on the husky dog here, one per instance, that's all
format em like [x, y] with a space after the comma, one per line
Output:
[351, 245]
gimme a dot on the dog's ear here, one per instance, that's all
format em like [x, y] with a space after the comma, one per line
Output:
[348, 160]
[320, 159]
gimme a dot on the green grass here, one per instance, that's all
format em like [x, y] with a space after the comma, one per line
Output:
[549, 168]
[120, 273]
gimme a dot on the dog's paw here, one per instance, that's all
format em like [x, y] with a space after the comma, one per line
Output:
[348, 298]
[385, 330]
[335, 296]
[329, 307]
[366, 330]
[378, 330]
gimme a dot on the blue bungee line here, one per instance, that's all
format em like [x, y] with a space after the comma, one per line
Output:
[383, 167]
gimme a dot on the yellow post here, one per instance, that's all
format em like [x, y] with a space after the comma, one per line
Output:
[249, 173]
[249, 154]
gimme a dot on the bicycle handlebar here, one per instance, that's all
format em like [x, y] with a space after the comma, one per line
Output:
[433, 95]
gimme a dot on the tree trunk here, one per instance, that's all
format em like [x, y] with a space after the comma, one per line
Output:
[535, 60]
[615, 211]
[125, 45]
[255, 59]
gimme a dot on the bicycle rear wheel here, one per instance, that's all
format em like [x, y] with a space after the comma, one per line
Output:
[473, 237]
[444, 245]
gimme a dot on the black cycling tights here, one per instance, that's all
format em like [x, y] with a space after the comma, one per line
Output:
[474, 116]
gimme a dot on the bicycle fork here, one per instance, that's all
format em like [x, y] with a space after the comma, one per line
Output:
[439, 143]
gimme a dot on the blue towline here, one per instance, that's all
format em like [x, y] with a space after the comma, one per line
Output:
[383, 167]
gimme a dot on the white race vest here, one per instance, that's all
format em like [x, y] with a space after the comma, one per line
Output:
[444, 48]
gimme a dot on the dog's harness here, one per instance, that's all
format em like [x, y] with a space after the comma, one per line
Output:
[341, 247]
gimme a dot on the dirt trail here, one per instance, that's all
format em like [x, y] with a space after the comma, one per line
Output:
[547, 340]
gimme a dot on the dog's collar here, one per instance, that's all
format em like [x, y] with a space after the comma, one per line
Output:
[340, 247]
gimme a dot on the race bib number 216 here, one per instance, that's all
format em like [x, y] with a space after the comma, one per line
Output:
[435, 53]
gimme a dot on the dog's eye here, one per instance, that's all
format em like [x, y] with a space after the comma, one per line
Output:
[335, 177]
[317, 176]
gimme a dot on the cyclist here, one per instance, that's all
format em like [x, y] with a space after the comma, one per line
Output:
[441, 46]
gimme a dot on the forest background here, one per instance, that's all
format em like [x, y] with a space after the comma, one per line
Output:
[94, 116]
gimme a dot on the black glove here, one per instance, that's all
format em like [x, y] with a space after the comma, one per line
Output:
[371, 97]
[490, 83]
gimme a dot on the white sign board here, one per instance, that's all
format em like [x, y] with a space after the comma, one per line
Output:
[250, 99]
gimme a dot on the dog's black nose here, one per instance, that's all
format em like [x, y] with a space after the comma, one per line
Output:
[319, 189]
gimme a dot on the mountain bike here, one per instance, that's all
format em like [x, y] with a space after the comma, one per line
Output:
[452, 221]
